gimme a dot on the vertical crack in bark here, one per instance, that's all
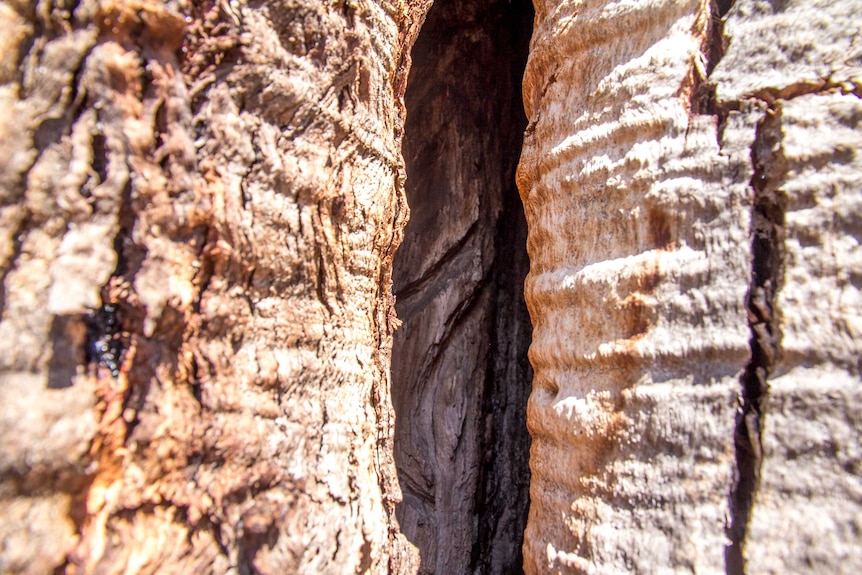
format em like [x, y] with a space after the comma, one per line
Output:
[502, 496]
[767, 242]
[714, 44]
[460, 372]
[722, 7]
[702, 94]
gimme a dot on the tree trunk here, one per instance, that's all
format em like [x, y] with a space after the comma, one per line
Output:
[200, 202]
[200, 205]
[694, 287]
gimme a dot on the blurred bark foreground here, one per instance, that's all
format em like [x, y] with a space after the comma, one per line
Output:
[200, 201]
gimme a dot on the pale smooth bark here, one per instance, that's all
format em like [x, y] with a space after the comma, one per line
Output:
[691, 190]
[639, 249]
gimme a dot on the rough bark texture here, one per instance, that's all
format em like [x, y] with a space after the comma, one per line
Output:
[806, 513]
[200, 202]
[639, 267]
[199, 206]
[693, 211]
[460, 371]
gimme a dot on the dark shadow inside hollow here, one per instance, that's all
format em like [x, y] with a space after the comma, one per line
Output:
[460, 375]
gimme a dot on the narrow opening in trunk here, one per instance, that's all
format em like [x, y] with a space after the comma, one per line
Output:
[460, 372]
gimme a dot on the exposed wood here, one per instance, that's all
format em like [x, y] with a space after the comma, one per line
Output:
[460, 371]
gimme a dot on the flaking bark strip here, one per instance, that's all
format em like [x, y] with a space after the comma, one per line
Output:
[805, 88]
[767, 220]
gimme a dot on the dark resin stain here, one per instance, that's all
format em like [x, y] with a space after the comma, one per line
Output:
[104, 347]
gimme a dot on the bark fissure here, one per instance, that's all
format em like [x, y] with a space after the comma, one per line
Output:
[460, 373]
[793, 90]
[504, 479]
[703, 91]
[767, 221]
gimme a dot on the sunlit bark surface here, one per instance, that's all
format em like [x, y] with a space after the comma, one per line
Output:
[691, 191]
[200, 202]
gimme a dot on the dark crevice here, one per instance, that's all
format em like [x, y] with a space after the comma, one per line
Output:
[703, 99]
[723, 7]
[766, 278]
[100, 157]
[716, 42]
[504, 481]
[460, 375]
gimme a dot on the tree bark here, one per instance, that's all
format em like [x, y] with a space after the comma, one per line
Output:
[806, 501]
[688, 173]
[200, 201]
[200, 205]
